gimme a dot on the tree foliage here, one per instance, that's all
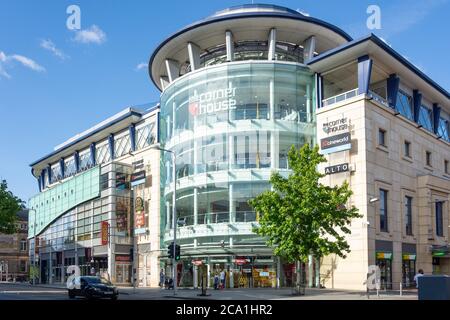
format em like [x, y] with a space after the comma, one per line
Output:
[302, 216]
[10, 205]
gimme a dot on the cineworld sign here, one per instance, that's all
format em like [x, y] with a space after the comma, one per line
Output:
[336, 143]
[212, 101]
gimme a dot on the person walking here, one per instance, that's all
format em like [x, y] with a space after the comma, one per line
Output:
[162, 279]
[216, 281]
[222, 279]
[417, 276]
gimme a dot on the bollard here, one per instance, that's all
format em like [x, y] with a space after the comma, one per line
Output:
[401, 289]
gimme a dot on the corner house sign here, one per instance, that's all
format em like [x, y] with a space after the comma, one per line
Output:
[343, 167]
[212, 101]
[336, 143]
[335, 125]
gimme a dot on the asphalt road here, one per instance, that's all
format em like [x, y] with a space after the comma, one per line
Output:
[18, 291]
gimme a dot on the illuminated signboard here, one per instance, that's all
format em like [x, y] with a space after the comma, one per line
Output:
[212, 101]
[105, 232]
[336, 143]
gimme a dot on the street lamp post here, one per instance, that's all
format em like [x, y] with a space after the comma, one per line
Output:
[34, 247]
[174, 213]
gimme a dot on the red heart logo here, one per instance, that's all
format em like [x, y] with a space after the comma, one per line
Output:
[193, 108]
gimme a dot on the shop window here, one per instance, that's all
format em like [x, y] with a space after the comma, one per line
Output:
[439, 219]
[383, 210]
[408, 218]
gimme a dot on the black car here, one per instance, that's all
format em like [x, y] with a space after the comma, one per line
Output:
[93, 287]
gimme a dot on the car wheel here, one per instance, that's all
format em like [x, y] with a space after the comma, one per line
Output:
[114, 297]
[71, 295]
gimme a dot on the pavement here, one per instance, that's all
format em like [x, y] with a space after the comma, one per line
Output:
[25, 291]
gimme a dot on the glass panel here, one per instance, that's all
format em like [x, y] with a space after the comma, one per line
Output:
[425, 118]
[404, 105]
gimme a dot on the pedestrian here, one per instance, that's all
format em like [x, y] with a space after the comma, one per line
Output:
[417, 276]
[216, 281]
[162, 279]
[222, 279]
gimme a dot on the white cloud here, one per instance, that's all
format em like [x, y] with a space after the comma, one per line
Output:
[91, 35]
[27, 62]
[48, 44]
[141, 66]
[7, 60]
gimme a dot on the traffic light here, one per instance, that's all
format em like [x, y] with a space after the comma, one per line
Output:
[177, 252]
[170, 251]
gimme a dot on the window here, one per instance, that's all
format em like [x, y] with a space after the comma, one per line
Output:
[428, 158]
[382, 137]
[104, 181]
[408, 218]
[23, 245]
[425, 118]
[442, 130]
[23, 266]
[439, 219]
[446, 166]
[383, 211]
[404, 105]
[407, 149]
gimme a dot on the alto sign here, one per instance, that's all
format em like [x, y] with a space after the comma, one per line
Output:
[343, 167]
[212, 101]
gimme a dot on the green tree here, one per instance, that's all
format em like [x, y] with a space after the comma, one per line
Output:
[301, 216]
[10, 205]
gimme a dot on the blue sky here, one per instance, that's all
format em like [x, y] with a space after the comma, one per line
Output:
[56, 82]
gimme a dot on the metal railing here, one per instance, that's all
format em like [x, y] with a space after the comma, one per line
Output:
[340, 97]
[216, 217]
[378, 98]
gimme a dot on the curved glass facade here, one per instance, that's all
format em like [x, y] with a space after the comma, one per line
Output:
[229, 126]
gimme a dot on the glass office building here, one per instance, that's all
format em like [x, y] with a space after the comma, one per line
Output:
[230, 114]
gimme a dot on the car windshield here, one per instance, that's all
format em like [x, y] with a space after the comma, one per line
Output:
[97, 280]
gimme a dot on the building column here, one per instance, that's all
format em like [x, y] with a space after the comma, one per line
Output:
[309, 111]
[194, 56]
[232, 209]
[168, 215]
[132, 132]
[310, 270]
[231, 152]
[274, 150]
[111, 145]
[392, 84]
[172, 68]
[111, 255]
[309, 47]
[164, 81]
[272, 44]
[272, 99]
[319, 90]
[364, 73]
[436, 116]
[417, 102]
[92, 152]
[62, 168]
[229, 45]
[76, 157]
[195, 206]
